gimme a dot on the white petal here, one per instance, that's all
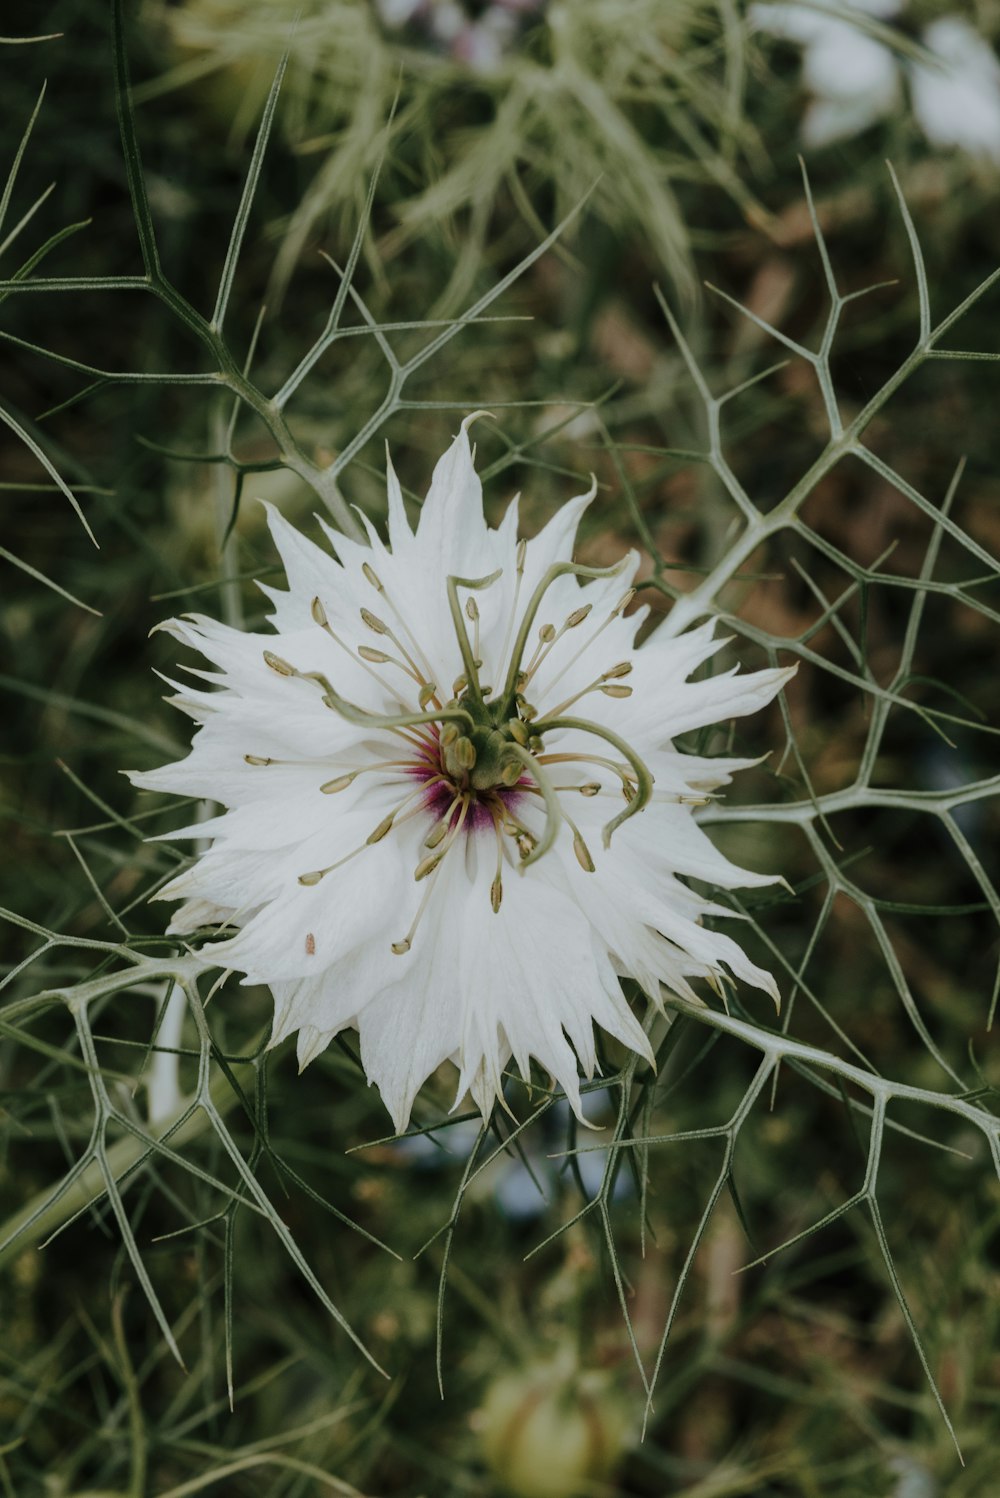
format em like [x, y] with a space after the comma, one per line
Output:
[958, 102]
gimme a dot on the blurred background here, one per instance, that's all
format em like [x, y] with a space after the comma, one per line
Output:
[438, 145]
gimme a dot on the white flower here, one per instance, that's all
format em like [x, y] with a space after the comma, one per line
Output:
[422, 768]
[855, 80]
[958, 102]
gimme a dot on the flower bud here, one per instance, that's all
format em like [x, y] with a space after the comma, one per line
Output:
[552, 1432]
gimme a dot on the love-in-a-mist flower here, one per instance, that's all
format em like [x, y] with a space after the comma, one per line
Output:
[455, 816]
[855, 79]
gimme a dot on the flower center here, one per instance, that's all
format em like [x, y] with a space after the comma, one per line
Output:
[478, 756]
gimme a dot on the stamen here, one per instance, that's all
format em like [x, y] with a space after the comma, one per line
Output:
[316, 875]
[644, 780]
[615, 613]
[558, 569]
[628, 784]
[610, 689]
[388, 822]
[582, 852]
[402, 947]
[441, 828]
[426, 666]
[580, 848]
[320, 616]
[331, 787]
[549, 637]
[496, 888]
[429, 864]
[411, 668]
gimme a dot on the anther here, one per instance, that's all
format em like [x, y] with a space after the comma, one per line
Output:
[314, 877]
[522, 548]
[593, 788]
[427, 865]
[341, 783]
[615, 691]
[257, 759]
[277, 664]
[517, 731]
[374, 622]
[472, 609]
[449, 734]
[624, 668]
[384, 827]
[319, 613]
[578, 615]
[623, 603]
[535, 744]
[376, 657]
[547, 633]
[496, 894]
[427, 694]
[401, 947]
[372, 577]
[459, 685]
[582, 852]
[464, 753]
[438, 833]
[510, 773]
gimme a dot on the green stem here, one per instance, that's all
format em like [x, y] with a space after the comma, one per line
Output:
[553, 810]
[461, 633]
